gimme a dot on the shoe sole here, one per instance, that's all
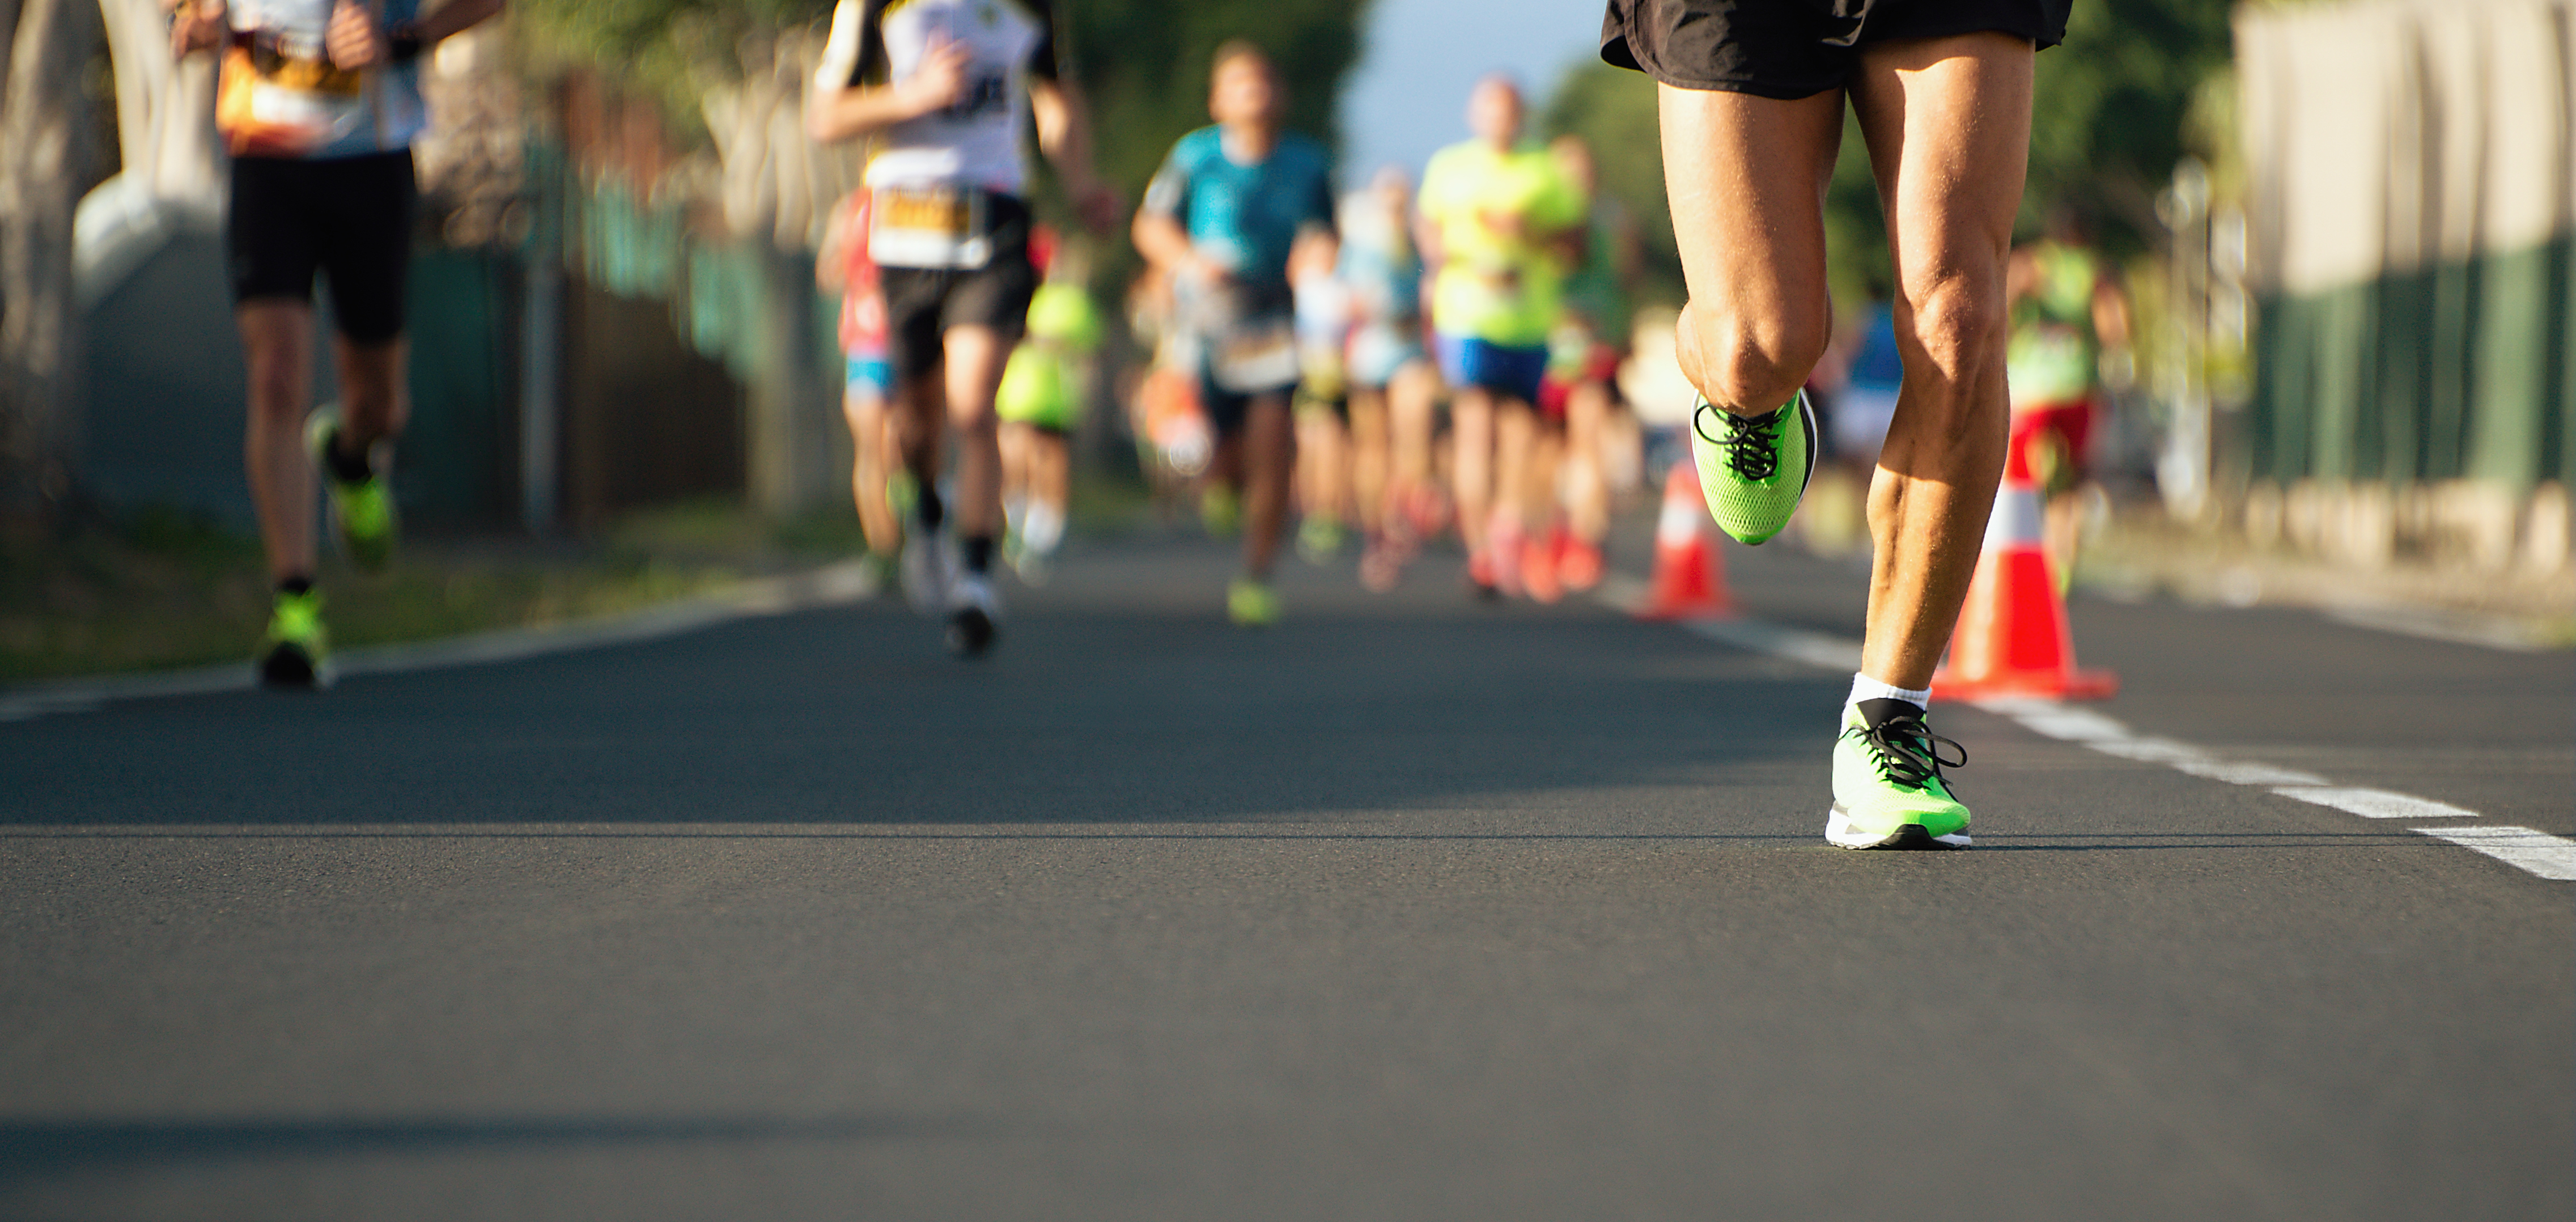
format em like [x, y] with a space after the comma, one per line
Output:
[1839, 833]
[1806, 426]
[971, 633]
[288, 668]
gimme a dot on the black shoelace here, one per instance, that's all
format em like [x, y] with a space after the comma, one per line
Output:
[1909, 753]
[1750, 452]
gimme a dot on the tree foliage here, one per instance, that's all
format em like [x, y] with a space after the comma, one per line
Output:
[1145, 66]
[1144, 63]
[2114, 105]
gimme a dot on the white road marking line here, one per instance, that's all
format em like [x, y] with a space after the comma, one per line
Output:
[2511, 633]
[2247, 772]
[2537, 851]
[2057, 720]
[2375, 803]
[1796, 644]
[832, 585]
[2153, 751]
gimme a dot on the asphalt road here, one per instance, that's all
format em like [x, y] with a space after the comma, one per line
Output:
[1407, 909]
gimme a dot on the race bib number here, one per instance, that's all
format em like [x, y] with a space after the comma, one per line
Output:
[279, 96]
[1488, 291]
[1256, 355]
[928, 227]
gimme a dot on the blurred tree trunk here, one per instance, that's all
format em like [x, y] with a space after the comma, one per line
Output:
[165, 109]
[45, 126]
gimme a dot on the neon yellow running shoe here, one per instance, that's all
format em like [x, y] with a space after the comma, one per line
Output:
[1252, 604]
[362, 511]
[296, 653]
[1753, 469]
[1319, 539]
[1888, 789]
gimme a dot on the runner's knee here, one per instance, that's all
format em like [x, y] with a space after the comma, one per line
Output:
[1743, 363]
[1958, 325]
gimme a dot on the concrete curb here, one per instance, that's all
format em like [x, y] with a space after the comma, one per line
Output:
[832, 585]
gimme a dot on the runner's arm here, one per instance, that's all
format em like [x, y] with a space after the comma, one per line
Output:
[1160, 238]
[1158, 232]
[2110, 312]
[1064, 132]
[843, 108]
[355, 41]
[197, 27]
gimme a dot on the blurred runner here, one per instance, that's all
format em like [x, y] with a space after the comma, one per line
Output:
[1173, 441]
[1866, 400]
[1392, 385]
[1491, 206]
[1581, 390]
[1324, 476]
[1750, 101]
[1040, 403]
[2066, 312]
[843, 266]
[319, 104]
[1221, 217]
[943, 85]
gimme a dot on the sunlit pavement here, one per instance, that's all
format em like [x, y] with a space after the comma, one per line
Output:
[1408, 908]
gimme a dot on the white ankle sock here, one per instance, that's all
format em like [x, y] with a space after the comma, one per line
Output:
[1866, 688]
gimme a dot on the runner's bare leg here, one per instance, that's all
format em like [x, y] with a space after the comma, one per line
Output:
[1411, 419]
[1269, 455]
[1948, 126]
[374, 401]
[1587, 486]
[1471, 463]
[277, 343]
[871, 439]
[1368, 459]
[976, 356]
[1746, 178]
[1516, 464]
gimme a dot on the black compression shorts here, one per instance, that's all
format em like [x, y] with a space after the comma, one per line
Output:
[1789, 49]
[923, 303]
[348, 218]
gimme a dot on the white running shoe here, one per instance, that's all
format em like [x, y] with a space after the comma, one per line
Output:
[929, 569]
[974, 615]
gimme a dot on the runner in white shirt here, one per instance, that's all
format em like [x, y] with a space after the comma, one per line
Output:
[946, 87]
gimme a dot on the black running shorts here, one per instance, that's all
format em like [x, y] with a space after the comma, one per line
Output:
[348, 218]
[1790, 49]
[923, 303]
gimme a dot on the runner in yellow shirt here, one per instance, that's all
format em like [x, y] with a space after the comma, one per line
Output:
[1492, 211]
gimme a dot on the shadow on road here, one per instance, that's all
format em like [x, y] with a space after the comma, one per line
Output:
[1120, 697]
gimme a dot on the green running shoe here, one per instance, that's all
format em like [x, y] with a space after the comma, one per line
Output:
[297, 650]
[1753, 469]
[1888, 789]
[1252, 604]
[1319, 539]
[362, 511]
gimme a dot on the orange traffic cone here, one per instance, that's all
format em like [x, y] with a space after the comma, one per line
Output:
[1690, 579]
[2012, 638]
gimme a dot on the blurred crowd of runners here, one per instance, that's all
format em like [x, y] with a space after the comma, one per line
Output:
[1385, 367]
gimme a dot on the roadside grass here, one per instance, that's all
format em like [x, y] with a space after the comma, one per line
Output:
[156, 589]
